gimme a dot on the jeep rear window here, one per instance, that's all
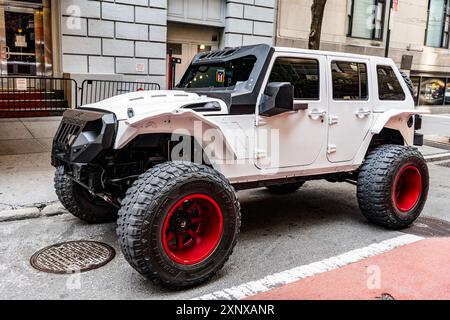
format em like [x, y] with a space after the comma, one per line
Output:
[389, 87]
[219, 75]
[349, 80]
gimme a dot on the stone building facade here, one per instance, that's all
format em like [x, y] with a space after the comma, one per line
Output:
[419, 31]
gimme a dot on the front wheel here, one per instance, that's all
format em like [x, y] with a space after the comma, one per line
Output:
[393, 186]
[80, 203]
[179, 224]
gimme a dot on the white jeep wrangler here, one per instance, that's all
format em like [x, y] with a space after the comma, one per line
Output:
[168, 163]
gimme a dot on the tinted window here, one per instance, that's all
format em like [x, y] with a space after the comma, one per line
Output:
[349, 80]
[219, 75]
[303, 74]
[389, 87]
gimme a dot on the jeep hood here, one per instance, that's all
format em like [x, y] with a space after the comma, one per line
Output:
[152, 103]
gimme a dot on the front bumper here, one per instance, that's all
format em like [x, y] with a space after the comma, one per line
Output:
[82, 136]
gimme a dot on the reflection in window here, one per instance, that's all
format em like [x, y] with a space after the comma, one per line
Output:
[389, 87]
[367, 19]
[303, 74]
[432, 91]
[349, 80]
[447, 93]
[437, 33]
[219, 75]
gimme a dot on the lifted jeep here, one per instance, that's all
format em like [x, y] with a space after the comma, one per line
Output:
[166, 164]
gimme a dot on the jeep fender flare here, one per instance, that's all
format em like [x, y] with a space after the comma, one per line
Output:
[391, 119]
[397, 120]
[180, 122]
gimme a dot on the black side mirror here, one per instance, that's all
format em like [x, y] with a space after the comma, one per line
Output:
[277, 99]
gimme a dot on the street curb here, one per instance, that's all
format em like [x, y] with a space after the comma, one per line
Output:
[438, 157]
[36, 212]
[19, 214]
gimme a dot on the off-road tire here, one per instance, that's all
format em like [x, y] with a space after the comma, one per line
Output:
[408, 82]
[284, 189]
[380, 189]
[148, 204]
[80, 203]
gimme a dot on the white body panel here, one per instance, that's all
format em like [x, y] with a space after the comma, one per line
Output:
[309, 145]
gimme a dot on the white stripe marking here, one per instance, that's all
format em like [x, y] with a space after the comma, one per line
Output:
[283, 278]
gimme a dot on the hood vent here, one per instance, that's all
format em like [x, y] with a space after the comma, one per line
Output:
[212, 106]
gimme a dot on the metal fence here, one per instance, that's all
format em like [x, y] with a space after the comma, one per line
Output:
[36, 96]
[93, 91]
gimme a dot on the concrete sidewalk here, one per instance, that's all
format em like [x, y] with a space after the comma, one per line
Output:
[418, 271]
[25, 136]
[26, 187]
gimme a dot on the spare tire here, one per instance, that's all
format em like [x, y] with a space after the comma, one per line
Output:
[408, 82]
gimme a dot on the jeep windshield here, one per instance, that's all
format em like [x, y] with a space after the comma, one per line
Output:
[229, 75]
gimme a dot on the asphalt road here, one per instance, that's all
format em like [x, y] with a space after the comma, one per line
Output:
[436, 125]
[278, 233]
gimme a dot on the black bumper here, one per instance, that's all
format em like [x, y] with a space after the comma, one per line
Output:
[82, 136]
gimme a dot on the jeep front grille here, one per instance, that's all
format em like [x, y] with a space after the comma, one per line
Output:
[67, 133]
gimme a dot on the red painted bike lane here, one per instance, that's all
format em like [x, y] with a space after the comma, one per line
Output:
[416, 271]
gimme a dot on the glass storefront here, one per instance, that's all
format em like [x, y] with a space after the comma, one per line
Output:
[431, 91]
[25, 38]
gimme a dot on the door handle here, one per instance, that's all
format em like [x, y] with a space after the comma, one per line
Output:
[317, 114]
[361, 113]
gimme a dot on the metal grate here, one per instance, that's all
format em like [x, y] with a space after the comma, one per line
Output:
[72, 257]
[66, 133]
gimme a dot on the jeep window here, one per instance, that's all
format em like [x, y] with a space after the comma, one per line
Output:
[303, 74]
[219, 75]
[389, 88]
[349, 80]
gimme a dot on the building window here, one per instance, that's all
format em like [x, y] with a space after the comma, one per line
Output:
[437, 33]
[366, 19]
[447, 93]
[303, 74]
[349, 80]
[389, 88]
[432, 91]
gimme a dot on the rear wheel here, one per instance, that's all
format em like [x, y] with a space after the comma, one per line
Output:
[80, 203]
[283, 189]
[393, 186]
[179, 224]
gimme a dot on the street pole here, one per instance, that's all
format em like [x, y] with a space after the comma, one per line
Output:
[388, 36]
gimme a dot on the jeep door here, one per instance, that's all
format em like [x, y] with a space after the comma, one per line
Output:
[296, 138]
[350, 112]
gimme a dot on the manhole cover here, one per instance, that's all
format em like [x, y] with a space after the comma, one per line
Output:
[430, 227]
[72, 257]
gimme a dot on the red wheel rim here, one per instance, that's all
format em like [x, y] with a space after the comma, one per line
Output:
[407, 189]
[193, 229]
